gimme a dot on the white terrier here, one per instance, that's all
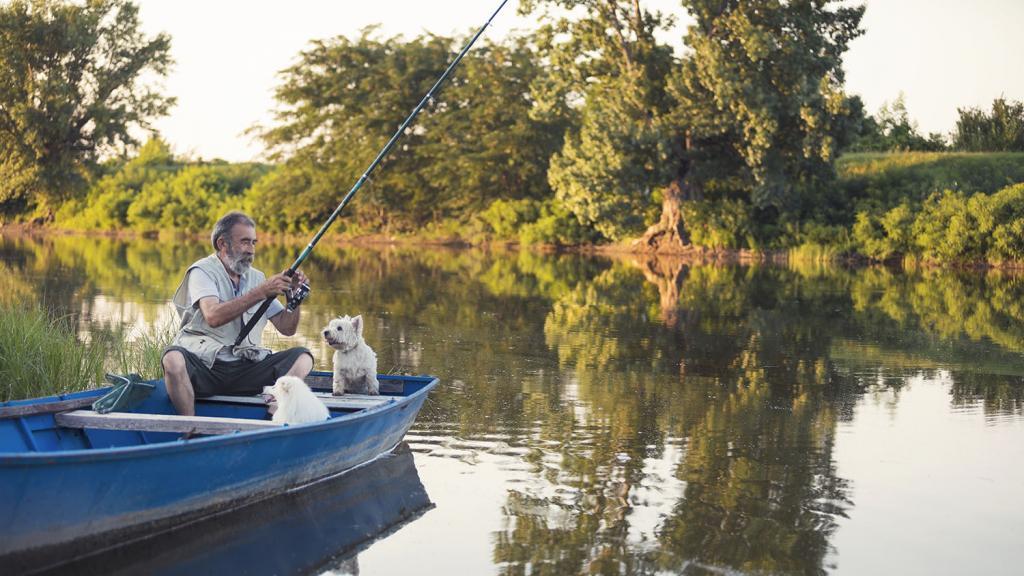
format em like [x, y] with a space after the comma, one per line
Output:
[355, 364]
[296, 403]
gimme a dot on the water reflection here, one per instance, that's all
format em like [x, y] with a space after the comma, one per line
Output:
[632, 416]
[320, 527]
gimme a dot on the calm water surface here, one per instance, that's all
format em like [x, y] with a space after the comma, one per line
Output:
[619, 417]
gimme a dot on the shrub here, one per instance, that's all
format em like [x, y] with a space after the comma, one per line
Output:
[556, 225]
[885, 237]
[719, 224]
[505, 217]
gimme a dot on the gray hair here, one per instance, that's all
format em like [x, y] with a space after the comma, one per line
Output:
[226, 223]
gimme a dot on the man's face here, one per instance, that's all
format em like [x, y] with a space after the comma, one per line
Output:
[240, 248]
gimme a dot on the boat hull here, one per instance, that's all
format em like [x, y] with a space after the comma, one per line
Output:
[60, 504]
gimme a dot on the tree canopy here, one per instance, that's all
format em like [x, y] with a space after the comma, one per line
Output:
[70, 91]
[345, 97]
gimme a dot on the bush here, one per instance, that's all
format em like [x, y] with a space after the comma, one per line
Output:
[556, 225]
[194, 198]
[505, 217]
[877, 183]
[1006, 210]
[719, 224]
[885, 237]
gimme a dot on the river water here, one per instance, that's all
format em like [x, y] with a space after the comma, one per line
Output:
[615, 416]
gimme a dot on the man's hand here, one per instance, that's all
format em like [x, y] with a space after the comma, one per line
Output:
[299, 278]
[276, 285]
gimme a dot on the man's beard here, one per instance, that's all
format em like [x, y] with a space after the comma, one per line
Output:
[238, 262]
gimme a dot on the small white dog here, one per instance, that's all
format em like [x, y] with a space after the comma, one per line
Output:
[296, 403]
[355, 364]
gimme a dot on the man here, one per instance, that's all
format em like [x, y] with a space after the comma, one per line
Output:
[216, 298]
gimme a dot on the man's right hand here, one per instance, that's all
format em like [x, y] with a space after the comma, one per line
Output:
[276, 285]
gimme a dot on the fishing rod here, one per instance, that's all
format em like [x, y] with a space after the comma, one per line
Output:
[359, 183]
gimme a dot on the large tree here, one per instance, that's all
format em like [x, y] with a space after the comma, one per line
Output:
[761, 96]
[608, 74]
[343, 100]
[71, 90]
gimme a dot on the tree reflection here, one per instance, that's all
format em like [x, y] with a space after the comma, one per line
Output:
[673, 415]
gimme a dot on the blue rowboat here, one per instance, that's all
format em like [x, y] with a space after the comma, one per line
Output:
[320, 528]
[73, 481]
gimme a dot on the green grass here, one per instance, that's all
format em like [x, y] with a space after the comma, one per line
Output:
[884, 180]
[41, 354]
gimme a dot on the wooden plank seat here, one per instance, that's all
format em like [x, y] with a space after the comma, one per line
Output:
[45, 407]
[346, 402]
[159, 422]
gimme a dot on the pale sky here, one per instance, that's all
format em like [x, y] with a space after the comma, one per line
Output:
[942, 54]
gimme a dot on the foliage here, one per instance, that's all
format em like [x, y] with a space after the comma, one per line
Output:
[1002, 130]
[534, 222]
[41, 354]
[719, 224]
[464, 151]
[482, 142]
[609, 74]
[950, 227]
[893, 131]
[193, 198]
[156, 191]
[105, 206]
[762, 92]
[884, 237]
[70, 92]
[880, 182]
[556, 225]
[505, 217]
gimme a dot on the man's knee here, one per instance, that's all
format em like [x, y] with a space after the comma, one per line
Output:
[174, 363]
[303, 363]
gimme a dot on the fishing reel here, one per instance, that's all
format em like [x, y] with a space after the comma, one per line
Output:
[297, 295]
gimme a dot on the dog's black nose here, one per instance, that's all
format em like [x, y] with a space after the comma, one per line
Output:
[326, 332]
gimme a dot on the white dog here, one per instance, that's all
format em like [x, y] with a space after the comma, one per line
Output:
[296, 403]
[355, 364]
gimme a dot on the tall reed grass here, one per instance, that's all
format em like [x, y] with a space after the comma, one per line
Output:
[41, 353]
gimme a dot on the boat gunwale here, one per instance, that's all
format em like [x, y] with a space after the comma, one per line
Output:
[7, 459]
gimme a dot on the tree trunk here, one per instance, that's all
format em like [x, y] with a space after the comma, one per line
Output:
[669, 234]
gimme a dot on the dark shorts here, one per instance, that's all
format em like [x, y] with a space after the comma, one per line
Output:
[243, 377]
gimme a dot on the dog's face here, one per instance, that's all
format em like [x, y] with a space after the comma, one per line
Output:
[344, 333]
[282, 388]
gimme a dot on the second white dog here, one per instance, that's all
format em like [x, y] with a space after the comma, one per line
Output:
[355, 363]
[296, 403]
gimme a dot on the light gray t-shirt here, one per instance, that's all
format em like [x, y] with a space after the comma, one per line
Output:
[200, 285]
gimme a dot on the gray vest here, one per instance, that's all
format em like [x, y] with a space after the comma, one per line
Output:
[205, 341]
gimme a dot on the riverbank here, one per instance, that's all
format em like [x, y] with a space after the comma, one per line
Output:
[933, 209]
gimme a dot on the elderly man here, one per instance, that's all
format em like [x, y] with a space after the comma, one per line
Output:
[217, 296]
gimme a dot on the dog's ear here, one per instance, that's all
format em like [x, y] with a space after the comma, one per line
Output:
[285, 385]
[357, 323]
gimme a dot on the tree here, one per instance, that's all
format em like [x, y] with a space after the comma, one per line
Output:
[344, 99]
[1000, 131]
[482, 144]
[608, 75]
[761, 96]
[70, 92]
[892, 130]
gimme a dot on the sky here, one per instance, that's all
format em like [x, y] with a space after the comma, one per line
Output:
[941, 54]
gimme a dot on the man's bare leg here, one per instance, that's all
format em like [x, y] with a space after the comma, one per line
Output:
[303, 364]
[179, 387]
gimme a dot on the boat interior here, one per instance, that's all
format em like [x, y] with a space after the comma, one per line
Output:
[67, 422]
